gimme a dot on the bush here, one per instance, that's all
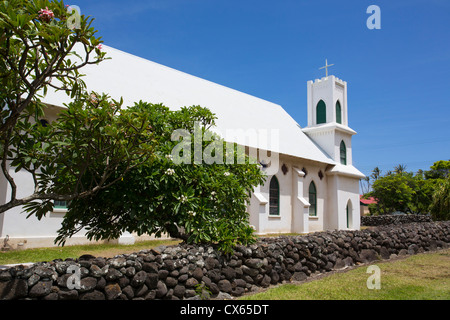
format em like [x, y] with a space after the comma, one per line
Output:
[440, 204]
[196, 202]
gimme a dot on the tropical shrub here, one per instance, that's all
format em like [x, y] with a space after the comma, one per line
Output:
[440, 204]
[197, 202]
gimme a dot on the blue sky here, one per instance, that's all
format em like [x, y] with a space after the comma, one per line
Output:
[398, 77]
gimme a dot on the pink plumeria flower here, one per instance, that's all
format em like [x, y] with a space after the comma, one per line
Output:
[99, 47]
[46, 14]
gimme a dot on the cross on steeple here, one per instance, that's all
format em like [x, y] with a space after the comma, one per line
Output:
[326, 67]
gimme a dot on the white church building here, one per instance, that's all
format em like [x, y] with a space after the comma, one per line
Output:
[311, 183]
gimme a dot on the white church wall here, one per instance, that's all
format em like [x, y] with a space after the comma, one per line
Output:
[316, 223]
[348, 192]
[3, 192]
[324, 138]
[300, 205]
[286, 222]
[257, 208]
[341, 190]
[333, 193]
[278, 223]
[331, 217]
[347, 138]
[29, 232]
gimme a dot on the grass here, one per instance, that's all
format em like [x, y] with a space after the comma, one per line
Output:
[419, 277]
[75, 251]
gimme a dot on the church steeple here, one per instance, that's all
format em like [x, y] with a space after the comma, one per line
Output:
[328, 117]
[327, 101]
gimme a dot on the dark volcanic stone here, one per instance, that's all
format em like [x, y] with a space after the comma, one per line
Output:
[139, 279]
[152, 280]
[225, 286]
[368, 255]
[40, 289]
[179, 291]
[161, 289]
[68, 295]
[95, 295]
[198, 274]
[87, 284]
[112, 291]
[299, 276]
[13, 289]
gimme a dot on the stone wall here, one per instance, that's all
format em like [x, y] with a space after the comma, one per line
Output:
[394, 219]
[188, 271]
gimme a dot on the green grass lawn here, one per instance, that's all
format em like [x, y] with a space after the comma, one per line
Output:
[419, 277]
[98, 250]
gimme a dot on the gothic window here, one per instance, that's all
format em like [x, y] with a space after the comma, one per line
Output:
[274, 197]
[312, 199]
[343, 150]
[321, 112]
[338, 112]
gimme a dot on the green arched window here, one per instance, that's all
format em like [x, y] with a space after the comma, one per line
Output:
[338, 112]
[274, 197]
[312, 199]
[343, 150]
[321, 112]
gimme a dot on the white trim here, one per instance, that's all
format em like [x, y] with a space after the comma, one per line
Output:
[345, 170]
[59, 210]
[304, 202]
[328, 127]
[261, 199]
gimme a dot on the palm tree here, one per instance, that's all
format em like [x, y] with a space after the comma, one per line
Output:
[400, 169]
[365, 185]
[376, 173]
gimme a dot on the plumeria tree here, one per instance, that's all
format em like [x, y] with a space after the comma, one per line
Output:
[37, 43]
[196, 202]
[91, 145]
[113, 165]
[76, 155]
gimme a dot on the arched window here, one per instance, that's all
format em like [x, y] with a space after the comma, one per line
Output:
[321, 112]
[312, 199]
[274, 197]
[338, 112]
[349, 214]
[343, 149]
